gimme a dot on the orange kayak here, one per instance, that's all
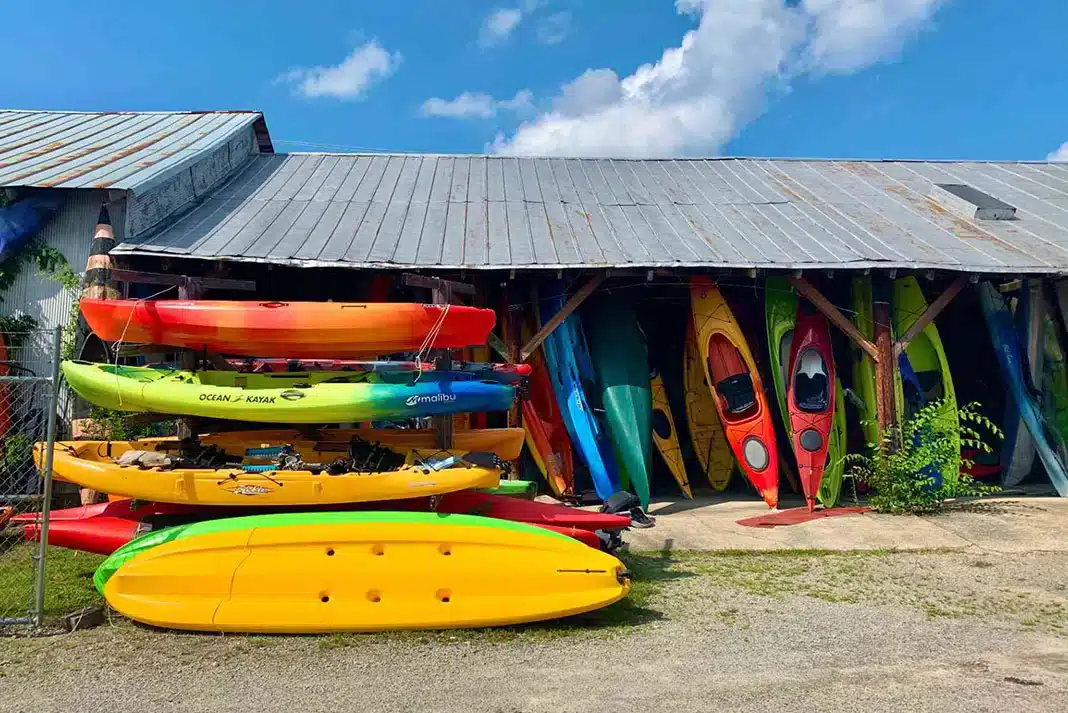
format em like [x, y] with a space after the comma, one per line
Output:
[298, 330]
[810, 397]
[737, 388]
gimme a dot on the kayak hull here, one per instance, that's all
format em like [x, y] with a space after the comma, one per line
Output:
[621, 363]
[927, 359]
[568, 360]
[546, 433]
[300, 330]
[706, 431]
[105, 527]
[737, 389]
[1007, 346]
[811, 398]
[326, 572]
[290, 397]
[83, 463]
[666, 437]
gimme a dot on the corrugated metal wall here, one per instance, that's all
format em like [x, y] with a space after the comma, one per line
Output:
[71, 232]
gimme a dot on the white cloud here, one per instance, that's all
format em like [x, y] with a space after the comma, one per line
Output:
[697, 95]
[365, 67]
[553, 29]
[476, 105]
[499, 26]
[1060, 154]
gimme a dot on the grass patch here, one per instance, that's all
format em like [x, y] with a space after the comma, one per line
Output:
[68, 583]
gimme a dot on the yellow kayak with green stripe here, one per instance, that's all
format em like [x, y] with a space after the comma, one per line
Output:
[282, 397]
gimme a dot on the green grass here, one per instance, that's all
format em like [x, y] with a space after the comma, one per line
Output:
[68, 583]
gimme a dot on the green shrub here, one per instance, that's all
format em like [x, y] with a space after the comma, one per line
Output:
[900, 469]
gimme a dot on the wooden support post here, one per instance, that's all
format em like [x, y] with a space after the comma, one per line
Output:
[570, 306]
[187, 427]
[810, 293]
[933, 310]
[884, 362]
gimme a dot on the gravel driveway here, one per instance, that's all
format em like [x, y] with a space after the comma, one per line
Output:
[780, 632]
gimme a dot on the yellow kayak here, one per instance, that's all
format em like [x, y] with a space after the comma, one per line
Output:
[706, 431]
[665, 436]
[92, 464]
[327, 572]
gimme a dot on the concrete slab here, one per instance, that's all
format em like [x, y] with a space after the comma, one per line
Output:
[997, 525]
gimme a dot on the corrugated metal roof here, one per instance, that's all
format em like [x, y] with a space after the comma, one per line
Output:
[474, 212]
[115, 149]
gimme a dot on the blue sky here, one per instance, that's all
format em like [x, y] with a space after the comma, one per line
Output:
[864, 78]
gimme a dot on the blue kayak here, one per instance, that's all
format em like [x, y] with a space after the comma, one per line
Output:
[1015, 371]
[568, 359]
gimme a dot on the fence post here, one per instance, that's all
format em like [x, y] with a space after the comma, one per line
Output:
[46, 502]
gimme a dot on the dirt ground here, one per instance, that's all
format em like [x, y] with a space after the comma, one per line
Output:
[813, 631]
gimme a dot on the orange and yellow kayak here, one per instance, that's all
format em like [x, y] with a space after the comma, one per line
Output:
[296, 330]
[737, 388]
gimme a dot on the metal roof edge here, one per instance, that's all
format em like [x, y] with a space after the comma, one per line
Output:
[185, 164]
[128, 249]
[799, 159]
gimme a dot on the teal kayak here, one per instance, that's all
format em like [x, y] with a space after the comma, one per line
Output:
[621, 362]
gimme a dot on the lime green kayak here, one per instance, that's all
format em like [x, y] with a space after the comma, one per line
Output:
[830, 492]
[780, 309]
[283, 397]
[930, 378]
[155, 538]
[515, 488]
[863, 366]
[621, 363]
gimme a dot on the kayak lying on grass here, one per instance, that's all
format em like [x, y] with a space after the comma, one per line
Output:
[285, 397]
[325, 572]
[104, 527]
[289, 329]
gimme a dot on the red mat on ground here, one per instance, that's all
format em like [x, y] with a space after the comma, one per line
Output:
[796, 516]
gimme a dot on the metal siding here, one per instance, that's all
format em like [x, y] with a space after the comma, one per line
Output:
[132, 151]
[71, 232]
[475, 211]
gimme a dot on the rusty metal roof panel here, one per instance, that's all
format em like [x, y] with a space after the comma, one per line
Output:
[479, 212]
[121, 150]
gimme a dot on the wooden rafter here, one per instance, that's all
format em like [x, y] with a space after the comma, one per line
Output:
[933, 310]
[810, 293]
[570, 306]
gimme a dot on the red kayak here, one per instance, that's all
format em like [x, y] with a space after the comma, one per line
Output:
[546, 433]
[104, 527]
[810, 396]
[297, 330]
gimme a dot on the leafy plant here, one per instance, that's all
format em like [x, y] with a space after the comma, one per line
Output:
[901, 467]
[16, 457]
[106, 425]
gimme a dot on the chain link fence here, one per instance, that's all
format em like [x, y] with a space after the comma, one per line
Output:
[29, 369]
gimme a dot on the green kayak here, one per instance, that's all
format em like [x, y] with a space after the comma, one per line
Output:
[621, 363]
[780, 307]
[925, 375]
[527, 489]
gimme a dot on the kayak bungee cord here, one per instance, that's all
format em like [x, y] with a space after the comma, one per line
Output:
[122, 337]
[428, 342]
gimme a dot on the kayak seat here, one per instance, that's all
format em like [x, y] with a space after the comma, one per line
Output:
[738, 392]
[811, 386]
